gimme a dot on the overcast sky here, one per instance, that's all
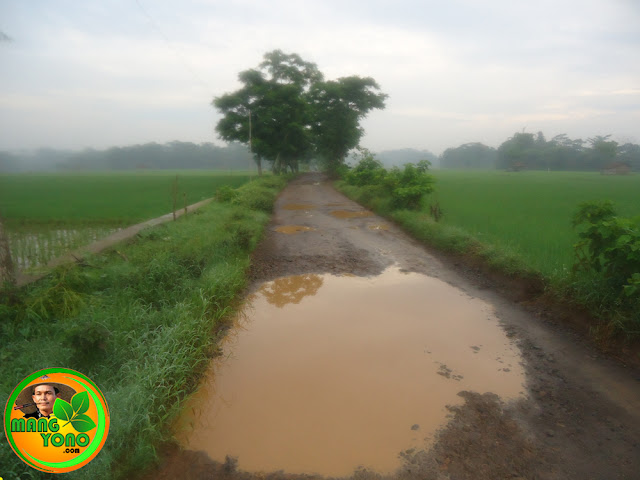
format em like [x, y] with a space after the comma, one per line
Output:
[99, 73]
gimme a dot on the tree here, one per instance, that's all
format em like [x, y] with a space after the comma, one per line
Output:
[629, 153]
[603, 151]
[269, 112]
[517, 152]
[337, 106]
[469, 155]
[289, 111]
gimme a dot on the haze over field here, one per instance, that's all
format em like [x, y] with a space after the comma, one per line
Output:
[121, 72]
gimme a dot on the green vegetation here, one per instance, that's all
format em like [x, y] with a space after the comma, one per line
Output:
[608, 262]
[286, 111]
[521, 223]
[107, 198]
[404, 187]
[529, 212]
[141, 321]
[46, 215]
[526, 151]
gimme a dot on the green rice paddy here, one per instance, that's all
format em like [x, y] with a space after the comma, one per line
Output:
[48, 214]
[529, 213]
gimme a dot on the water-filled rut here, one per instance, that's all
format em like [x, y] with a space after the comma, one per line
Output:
[324, 374]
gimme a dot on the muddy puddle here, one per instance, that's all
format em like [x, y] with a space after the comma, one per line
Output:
[325, 374]
[349, 214]
[293, 229]
[378, 226]
[298, 206]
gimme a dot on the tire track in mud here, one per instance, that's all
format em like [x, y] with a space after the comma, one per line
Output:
[579, 418]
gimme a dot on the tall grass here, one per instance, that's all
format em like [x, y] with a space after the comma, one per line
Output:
[142, 321]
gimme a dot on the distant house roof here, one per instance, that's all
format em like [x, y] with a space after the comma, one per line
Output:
[616, 168]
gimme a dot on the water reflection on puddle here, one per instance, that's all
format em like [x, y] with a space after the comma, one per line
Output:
[323, 374]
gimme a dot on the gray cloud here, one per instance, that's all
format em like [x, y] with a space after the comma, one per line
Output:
[109, 73]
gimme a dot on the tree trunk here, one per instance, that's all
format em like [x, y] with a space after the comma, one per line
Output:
[7, 273]
[259, 162]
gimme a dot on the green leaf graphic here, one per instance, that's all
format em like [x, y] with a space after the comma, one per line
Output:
[80, 403]
[63, 410]
[82, 423]
[74, 412]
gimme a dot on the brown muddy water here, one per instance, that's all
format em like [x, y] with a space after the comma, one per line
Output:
[378, 226]
[324, 374]
[298, 206]
[293, 229]
[349, 214]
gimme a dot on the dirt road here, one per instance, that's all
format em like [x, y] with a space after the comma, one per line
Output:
[578, 418]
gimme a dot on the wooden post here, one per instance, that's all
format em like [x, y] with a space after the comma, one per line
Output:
[7, 273]
[174, 194]
[184, 197]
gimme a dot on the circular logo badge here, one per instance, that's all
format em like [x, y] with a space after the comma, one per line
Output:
[56, 420]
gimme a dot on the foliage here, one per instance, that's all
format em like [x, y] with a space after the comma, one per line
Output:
[409, 185]
[286, 111]
[271, 109]
[526, 151]
[338, 106]
[609, 249]
[257, 196]
[404, 187]
[226, 194]
[469, 155]
[368, 171]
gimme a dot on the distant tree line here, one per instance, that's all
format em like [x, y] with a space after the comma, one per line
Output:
[526, 151]
[153, 156]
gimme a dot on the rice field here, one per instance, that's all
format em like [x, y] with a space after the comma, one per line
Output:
[530, 213]
[46, 215]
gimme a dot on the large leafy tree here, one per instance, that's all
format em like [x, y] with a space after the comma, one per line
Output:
[290, 112]
[337, 106]
[270, 111]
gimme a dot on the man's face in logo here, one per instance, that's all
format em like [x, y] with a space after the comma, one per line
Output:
[44, 396]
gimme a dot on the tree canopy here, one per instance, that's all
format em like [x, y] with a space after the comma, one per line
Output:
[285, 111]
[524, 150]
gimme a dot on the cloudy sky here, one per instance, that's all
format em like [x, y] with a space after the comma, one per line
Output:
[96, 73]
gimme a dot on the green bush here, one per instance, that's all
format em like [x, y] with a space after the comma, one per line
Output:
[368, 171]
[404, 187]
[226, 194]
[609, 254]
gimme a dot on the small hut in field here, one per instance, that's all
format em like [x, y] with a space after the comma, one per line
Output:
[516, 167]
[616, 168]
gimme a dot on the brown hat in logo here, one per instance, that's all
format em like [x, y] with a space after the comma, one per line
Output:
[25, 404]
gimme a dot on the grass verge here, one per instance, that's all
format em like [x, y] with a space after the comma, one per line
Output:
[142, 321]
